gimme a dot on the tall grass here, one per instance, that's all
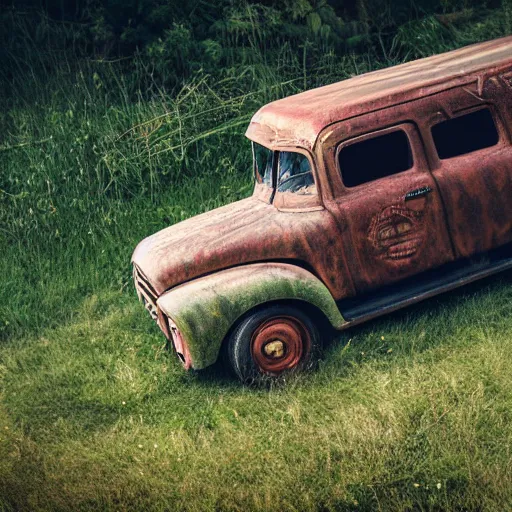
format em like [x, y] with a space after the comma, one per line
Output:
[410, 414]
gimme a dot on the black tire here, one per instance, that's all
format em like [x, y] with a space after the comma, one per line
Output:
[248, 353]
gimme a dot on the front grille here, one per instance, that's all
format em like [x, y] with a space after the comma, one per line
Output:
[145, 292]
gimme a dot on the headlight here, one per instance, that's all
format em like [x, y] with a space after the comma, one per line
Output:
[173, 334]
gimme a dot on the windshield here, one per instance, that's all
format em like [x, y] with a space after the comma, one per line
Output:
[263, 162]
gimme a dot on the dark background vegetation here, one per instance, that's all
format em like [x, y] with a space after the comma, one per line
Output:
[176, 39]
[119, 118]
[109, 104]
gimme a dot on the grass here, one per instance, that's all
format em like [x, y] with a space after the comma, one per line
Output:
[411, 412]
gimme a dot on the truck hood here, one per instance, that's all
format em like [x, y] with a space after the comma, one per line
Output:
[201, 244]
[246, 231]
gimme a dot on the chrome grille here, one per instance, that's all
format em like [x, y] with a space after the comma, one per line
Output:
[145, 292]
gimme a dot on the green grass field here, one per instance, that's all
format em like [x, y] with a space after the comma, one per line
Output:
[410, 412]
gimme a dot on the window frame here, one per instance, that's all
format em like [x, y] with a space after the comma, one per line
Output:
[460, 113]
[413, 137]
[287, 201]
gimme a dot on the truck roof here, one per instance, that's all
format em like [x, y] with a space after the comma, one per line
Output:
[296, 121]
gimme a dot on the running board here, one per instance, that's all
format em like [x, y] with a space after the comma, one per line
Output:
[432, 282]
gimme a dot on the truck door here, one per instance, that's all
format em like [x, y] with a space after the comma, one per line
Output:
[386, 200]
[469, 142]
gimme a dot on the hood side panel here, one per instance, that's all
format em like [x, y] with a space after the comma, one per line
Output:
[246, 231]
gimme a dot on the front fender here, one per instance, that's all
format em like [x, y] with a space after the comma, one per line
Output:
[205, 309]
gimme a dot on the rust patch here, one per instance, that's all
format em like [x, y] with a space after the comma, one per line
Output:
[397, 232]
[246, 231]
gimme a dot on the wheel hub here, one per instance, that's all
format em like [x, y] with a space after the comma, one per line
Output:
[280, 344]
[274, 349]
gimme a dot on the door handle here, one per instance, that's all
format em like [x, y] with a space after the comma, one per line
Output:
[419, 192]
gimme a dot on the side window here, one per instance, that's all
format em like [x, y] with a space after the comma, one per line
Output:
[465, 134]
[295, 174]
[374, 158]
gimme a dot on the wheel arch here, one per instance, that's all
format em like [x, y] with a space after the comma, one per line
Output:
[206, 310]
[314, 312]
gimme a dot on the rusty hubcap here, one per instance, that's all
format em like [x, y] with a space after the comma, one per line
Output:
[280, 344]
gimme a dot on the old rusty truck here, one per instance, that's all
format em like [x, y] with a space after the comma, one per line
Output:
[370, 194]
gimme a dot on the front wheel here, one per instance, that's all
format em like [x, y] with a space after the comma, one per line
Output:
[271, 342]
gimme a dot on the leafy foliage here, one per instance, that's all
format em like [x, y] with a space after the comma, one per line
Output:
[86, 140]
[179, 38]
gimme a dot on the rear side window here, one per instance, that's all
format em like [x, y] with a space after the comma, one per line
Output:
[374, 158]
[465, 134]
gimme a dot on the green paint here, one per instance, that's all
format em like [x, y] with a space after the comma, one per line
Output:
[204, 310]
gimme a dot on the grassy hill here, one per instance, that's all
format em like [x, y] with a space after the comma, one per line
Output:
[411, 412]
